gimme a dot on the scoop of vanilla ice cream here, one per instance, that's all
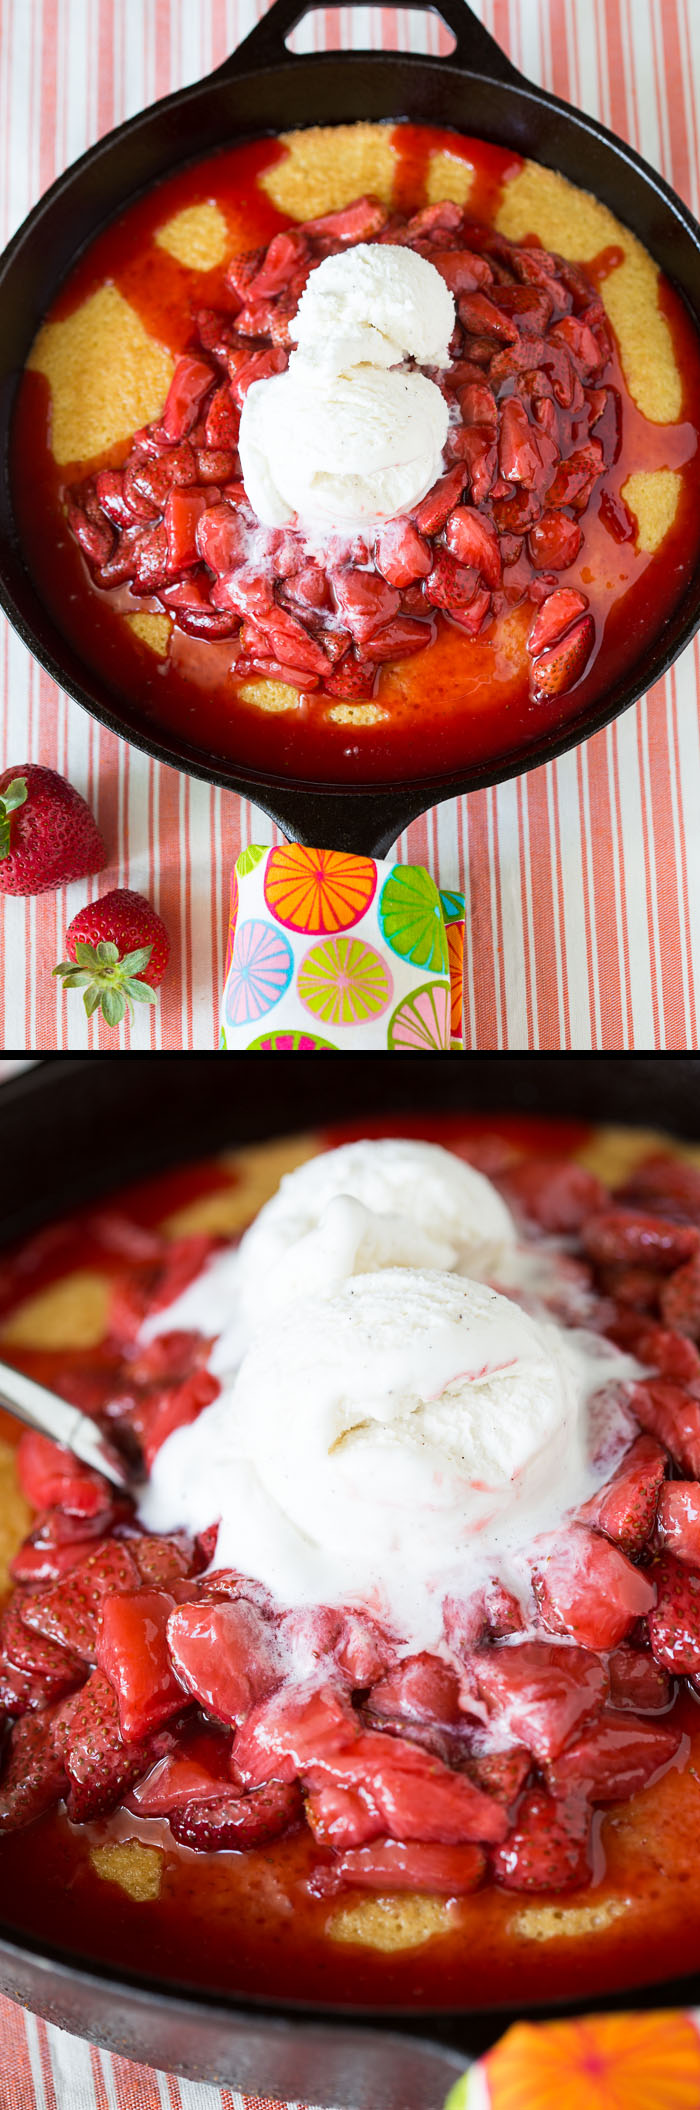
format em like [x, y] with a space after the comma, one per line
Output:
[388, 1444]
[340, 450]
[377, 302]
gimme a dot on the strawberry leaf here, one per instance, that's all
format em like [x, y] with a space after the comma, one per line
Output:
[91, 999]
[134, 962]
[13, 796]
[107, 953]
[141, 992]
[113, 1006]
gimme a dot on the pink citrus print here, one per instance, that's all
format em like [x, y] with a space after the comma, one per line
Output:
[344, 982]
[423, 1019]
[291, 1044]
[262, 968]
[318, 890]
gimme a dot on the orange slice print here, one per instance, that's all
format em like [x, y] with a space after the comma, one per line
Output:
[617, 2062]
[318, 891]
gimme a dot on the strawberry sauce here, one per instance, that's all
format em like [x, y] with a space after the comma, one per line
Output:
[235, 1911]
[466, 695]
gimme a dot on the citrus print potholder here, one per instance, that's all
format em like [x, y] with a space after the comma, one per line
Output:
[330, 952]
[604, 2062]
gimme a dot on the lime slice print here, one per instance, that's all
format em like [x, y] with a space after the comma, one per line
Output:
[344, 981]
[247, 860]
[423, 1019]
[261, 970]
[291, 1044]
[318, 890]
[453, 905]
[410, 917]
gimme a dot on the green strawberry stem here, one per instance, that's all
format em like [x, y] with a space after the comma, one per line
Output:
[14, 795]
[110, 983]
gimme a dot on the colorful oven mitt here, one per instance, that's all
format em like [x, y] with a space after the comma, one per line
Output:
[604, 2062]
[329, 951]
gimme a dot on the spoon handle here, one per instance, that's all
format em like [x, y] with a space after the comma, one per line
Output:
[65, 1424]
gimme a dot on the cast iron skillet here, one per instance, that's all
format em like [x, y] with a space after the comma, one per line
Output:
[264, 88]
[172, 1108]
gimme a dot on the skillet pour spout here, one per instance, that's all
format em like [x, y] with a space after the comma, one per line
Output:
[264, 88]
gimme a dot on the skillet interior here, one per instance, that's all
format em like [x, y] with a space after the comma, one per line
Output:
[261, 89]
[168, 1111]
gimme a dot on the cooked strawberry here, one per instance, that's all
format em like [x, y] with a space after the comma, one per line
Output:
[448, 1871]
[477, 403]
[292, 1731]
[70, 1612]
[560, 668]
[100, 1766]
[451, 585]
[157, 1413]
[473, 541]
[421, 1688]
[475, 446]
[23, 1649]
[220, 539]
[555, 618]
[625, 1508]
[502, 1773]
[198, 1769]
[132, 1648]
[38, 1562]
[237, 1822]
[587, 1588]
[465, 1623]
[575, 478]
[162, 1561]
[634, 1287]
[578, 340]
[430, 516]
[673, 1415]
[342, 1817]
[668, 1184]
[364, 601]
[613, 1760]
[542, 1852]
[402, 555]
[96, 543]
[183, 513]
[222, 420]
[191, 382]
[625, 1237]
[260, 366]
[51, 1476]
[637, 1681]
[397, 640]
[674, 1624]
[363, 1649]
[168, 1355]
[33, 1776]
[680, 1298]
[678, 1520]
[540, 1693]
[504, 1612]
[555, 1192]
[414, 1792]
[462, 270]
[351, 223]
[480, 317]
[225, 1654]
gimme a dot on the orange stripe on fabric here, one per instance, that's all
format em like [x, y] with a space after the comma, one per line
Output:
[136, 2086]
[483, 1024]
[542, 871]
[18, 2081]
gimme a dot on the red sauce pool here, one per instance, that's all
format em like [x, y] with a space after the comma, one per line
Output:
[455, 705]
[244, 1922]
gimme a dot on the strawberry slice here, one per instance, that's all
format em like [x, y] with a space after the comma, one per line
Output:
[430, 516]
[674, 1624]
[421, 1688]
[478, 404]
[222, 421]
[24, 1650]
[51, 1477]
[587, 1588]
[558, 670]
[473, 541]
[556, 616]
[447, 1871]
[342, 1817]
[397, 640]
[556, 1194]
[70, 1612]
[163, 1561]
[364, 601]
[225, 1654]
[290, 1732]
[451, 585]
[475, 446]
[33, 1777]
[624, 1237]
[40, 1562]
[196, 1771]
[220, 539]
[502, 1773]
[625, 1508]
[132, 1648]
[480, 317]
[613, 1760]
[415, 1793]
[191, 382]
[183, 513]
[544, 1851]
[637, 1681]
[519, 456]
[554, 542]
[540, 1693]
[237, 1822]
[100, 1766]
[680, 1299]
[351, 223]
[156, 1415]
[402, 555]
[678, 1520]
[673, 1415]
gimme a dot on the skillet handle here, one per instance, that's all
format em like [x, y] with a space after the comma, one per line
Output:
[474, 49]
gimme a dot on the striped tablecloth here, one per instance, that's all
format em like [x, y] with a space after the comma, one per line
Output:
[41, 2068]
[582, 879]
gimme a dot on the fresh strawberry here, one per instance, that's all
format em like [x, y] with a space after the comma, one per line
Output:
[680, 1298]
[587, 1588]
[132, 1648]
[502, 1773]
[421, 1689]
[558, 1194]
[100, 1766]
[637, 1681]
[51, 1477]
[47, 833]
[391, 1864]
[543, 1851]
[624, 1237]
[539, 1692]
[225, 1654]
[625, 1508]
[613, 1760]
[674, 1624]
[33, 1777]
[118, 950]
[678, 1520]
[673, 1415]
[70, 1612]
[237, 1822]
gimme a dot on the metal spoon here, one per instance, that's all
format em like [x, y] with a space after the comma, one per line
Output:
[65, 1424]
